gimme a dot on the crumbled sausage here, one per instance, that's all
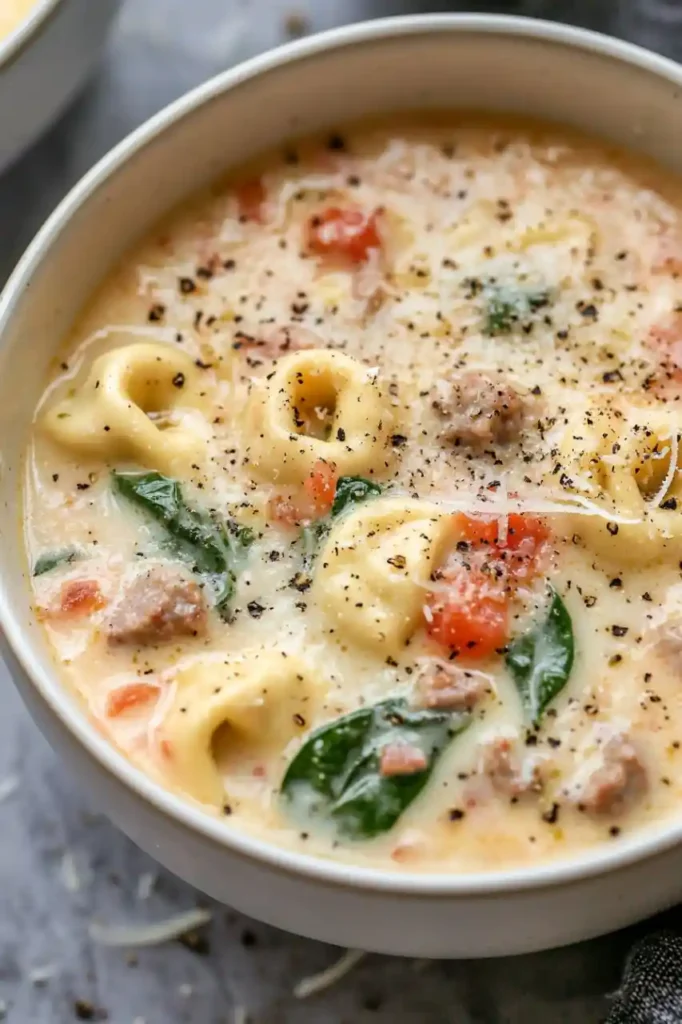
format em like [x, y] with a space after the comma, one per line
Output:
[616, 782]
[442, 684]
[401, 759]
[158, 605]
[508, 773]
[481, 411]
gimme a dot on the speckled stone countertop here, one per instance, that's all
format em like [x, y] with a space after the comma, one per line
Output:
[61, 863]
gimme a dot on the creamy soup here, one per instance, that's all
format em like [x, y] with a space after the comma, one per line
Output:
[353, 509]
[12, 13]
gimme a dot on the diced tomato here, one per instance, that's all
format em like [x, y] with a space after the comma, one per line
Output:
[314, 503]
[524, 540]
[250, 199]
[471, 617]
[344, 233]
[130, 696]
[477, 529]
[320, 486]
[80, 597]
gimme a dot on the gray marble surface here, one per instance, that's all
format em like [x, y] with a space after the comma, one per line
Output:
[61, 862]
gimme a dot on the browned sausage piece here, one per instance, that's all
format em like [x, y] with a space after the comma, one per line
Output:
[617, 782]
[440, 684]
[507, 773]
[159, 604]
[481, 411]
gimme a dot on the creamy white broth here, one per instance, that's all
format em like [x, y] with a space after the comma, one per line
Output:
[465, 213]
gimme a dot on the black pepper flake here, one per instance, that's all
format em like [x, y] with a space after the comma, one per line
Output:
[301, 582]
[83, 1009]
[552, 815]
[614, 831]
[670, 504]
[227, 810]
[83, 487]
[336, 142]
[186, 285]
[299, 719]
[619, 630]
[612, 528]
[455, 814]
[612, 376]
[616, 583]
[179, 380]
[398, 440]
[229, 264]
[340, 434]
[255, 609]
[156, 312]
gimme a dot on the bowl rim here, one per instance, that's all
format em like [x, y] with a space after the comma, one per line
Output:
[643, 845]
[22, 35]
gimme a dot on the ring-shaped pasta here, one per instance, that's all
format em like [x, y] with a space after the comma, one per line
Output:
[265, 699]
[318, 404]
[373, 573]
[622, 462]
[137, 403]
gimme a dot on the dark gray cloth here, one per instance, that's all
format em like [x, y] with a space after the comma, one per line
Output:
[651, 990]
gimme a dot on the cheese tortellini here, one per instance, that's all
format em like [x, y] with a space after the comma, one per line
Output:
[317, 404]
[622, 461]
[373, 572]
[138, 402]
[263, 700]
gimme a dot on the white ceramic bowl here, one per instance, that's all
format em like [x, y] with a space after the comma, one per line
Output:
[596, 83]
[43, 62]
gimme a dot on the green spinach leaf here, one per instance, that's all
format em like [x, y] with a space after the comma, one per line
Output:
[49, 560]
[350, 491]
[215, 548]
[337, 773]
[541, 660]
[506, 307]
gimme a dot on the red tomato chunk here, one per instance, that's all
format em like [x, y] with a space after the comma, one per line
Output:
[314, 503]
[344, 233]
[320, 486]
[471, 617]
[469, 613]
